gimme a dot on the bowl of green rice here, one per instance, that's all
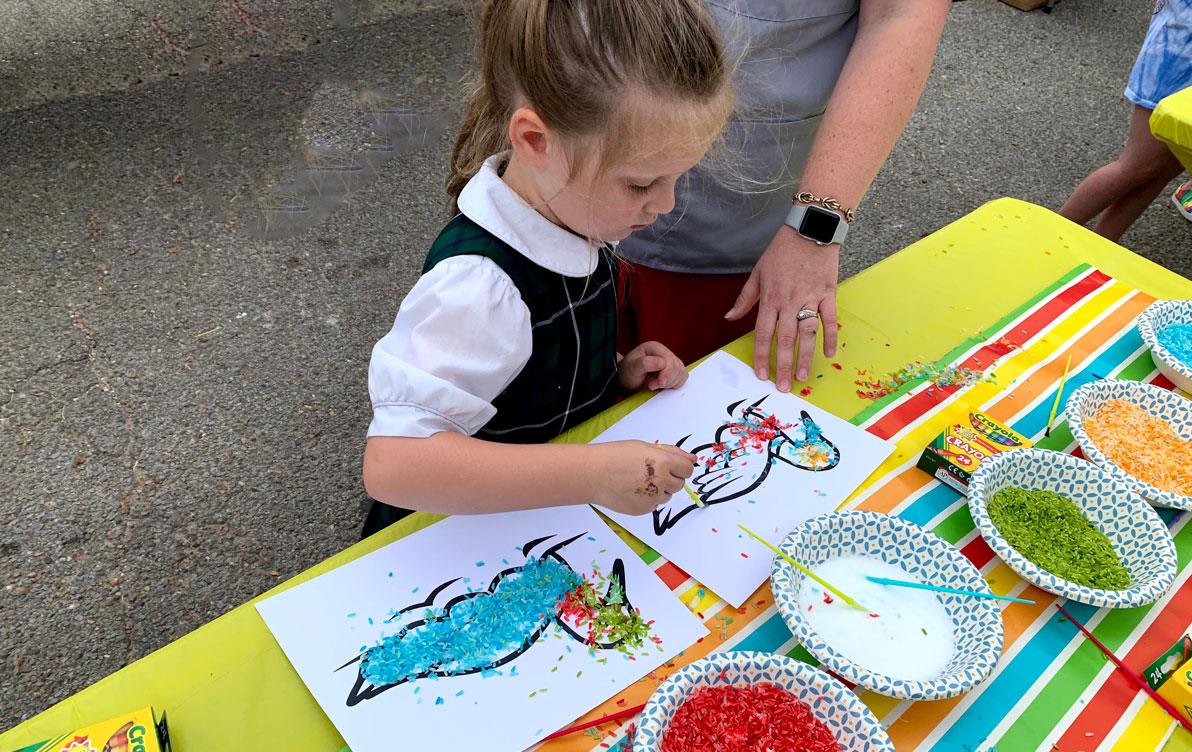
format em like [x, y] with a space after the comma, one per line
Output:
[1072, 529]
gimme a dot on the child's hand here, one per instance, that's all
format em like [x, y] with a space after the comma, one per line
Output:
[652, 364]
[634, 477]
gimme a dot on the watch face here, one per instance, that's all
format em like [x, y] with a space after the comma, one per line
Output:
[819, 224]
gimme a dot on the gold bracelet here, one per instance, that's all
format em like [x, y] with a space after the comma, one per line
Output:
[803, 197]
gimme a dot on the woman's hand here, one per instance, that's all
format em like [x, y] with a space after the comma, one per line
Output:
[651, 364]
[792, 275]
[634, 477]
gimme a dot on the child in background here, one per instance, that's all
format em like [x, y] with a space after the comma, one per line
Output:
[1122, 189]
[585, 114]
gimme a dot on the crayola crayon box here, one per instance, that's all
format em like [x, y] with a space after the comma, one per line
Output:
[1166, 665]
[956, 453]
[138, 731]
[1171, 675]
[1178, 690]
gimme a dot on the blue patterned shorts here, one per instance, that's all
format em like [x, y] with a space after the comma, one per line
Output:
[1164, 64]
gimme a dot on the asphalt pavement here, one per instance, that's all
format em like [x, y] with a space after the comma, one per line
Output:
[193, 271]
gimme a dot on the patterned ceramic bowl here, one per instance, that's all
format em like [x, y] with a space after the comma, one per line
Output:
[1171, 407]
[977, 622]
[1159, 314]
[853, 724]
[1139, 537]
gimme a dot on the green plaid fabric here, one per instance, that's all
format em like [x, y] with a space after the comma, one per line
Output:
[572, 371]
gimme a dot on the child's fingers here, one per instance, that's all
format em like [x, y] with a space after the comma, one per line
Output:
[671, 448]
[669, 377]
[676, 374]
[681, 477]
[680, 468]
[653, 363]
[654, 347]
[673, 375]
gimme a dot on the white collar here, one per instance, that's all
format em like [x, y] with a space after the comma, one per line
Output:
[488, 201]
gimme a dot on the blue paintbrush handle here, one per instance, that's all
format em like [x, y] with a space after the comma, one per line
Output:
[938, 589]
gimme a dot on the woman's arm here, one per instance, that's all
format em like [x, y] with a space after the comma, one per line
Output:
[451, 473]
[874, 97]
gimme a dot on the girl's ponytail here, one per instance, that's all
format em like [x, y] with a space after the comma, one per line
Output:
[481, 135]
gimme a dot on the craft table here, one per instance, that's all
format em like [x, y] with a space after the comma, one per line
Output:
[1171, 123]
[1011, 284]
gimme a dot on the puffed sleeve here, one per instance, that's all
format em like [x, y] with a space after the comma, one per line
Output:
[459, 338]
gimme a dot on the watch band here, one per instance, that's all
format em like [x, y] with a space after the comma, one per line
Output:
[794, 220]
[829, 203]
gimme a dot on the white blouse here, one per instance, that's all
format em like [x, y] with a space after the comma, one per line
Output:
[462, 334]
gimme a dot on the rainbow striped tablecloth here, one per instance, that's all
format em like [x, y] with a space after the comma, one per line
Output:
[1011, 289]
[1051, 686]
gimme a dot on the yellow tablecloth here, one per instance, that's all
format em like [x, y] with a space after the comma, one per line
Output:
[1171, 123]
[228, 684]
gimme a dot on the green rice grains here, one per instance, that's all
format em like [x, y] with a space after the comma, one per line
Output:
[1050, 530]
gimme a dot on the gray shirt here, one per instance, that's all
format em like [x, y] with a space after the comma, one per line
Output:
[789, 54]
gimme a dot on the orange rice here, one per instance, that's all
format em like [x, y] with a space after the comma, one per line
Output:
[1143, 445]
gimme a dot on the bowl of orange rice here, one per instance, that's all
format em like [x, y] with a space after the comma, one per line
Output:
[1139, 433]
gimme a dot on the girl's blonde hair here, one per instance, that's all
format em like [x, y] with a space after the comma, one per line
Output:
[574, 61]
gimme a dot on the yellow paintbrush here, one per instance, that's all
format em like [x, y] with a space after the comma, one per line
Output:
[1055, 406]
[694, 496]
[804, 570]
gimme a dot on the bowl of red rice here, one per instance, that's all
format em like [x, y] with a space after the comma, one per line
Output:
[744, 700]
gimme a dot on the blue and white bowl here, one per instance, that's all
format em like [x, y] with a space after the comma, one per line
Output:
[1171, 407]
[1139, 537]
[1159, 314]
[977, 622]
[833, 704]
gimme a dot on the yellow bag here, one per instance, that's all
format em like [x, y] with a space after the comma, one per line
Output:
[1171, 123]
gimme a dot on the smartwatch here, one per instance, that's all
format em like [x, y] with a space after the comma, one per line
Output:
[817, 224]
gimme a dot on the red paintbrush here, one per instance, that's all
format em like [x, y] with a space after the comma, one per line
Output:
[606, 719]
[1133, 677]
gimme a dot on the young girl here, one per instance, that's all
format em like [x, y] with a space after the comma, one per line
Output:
[1118, 193]
[585, 115]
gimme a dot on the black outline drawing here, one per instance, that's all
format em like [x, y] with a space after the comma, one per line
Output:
[666, 517]
[363, 690]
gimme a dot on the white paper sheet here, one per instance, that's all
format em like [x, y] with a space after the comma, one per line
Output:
[769, 476]
[518, 692]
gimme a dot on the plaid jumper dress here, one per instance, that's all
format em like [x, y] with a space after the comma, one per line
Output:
[572, 371]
